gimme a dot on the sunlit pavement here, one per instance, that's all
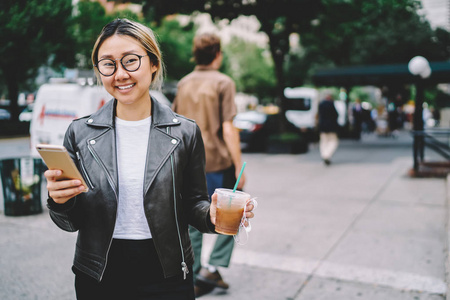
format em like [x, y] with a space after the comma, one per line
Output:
[357, 229]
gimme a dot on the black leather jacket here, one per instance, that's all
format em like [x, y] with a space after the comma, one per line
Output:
[175, 193]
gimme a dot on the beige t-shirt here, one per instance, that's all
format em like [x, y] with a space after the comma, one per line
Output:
[207, 96]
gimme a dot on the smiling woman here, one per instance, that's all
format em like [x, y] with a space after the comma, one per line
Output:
[145, 39]
[129, 80]
[128, 62]
[133, 244]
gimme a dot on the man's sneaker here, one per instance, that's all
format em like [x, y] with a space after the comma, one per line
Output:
[211, 279]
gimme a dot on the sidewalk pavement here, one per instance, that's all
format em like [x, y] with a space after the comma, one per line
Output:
[358, 229]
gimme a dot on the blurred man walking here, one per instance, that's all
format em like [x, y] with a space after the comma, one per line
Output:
[328, 128]
[207, 96]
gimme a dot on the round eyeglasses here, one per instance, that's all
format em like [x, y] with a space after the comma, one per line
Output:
[130, 62]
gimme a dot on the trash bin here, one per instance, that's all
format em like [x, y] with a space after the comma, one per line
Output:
[21, 180]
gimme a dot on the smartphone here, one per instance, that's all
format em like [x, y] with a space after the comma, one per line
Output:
[57, 158]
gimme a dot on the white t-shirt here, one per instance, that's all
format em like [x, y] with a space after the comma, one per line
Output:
[132, 143]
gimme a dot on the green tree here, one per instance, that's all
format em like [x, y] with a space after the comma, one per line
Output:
[361, 32]
[34, 33]
[297, 68]
[176, 46]
[89, 19]
[251, 68]
[278, 18]
[157, 10]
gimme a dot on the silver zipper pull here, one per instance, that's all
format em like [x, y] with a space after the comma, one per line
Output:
[185, 269]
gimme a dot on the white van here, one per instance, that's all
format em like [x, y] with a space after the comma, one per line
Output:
[57, 104]
[301, 106]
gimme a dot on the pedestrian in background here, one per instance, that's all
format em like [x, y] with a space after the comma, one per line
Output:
[328, 128]
[146, 171]
[207, 96]
[357, 115]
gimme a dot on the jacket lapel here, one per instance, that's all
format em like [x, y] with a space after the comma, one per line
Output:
[161, 143]
[104, 143]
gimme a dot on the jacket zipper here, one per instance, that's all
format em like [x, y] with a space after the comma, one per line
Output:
[115, 193]
[184, 267]
[91, 186]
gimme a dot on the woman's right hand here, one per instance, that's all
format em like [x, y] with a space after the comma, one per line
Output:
[61, 191]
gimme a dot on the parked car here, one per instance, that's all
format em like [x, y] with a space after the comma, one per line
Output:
[4, 114]
[252, 130]
[27, 114]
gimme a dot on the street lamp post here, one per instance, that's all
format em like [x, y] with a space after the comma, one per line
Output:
[419, 67]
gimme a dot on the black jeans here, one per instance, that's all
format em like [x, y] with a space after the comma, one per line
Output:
[133, 272]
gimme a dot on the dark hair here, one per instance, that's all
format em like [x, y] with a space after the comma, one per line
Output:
[206, 46]
[141, 33]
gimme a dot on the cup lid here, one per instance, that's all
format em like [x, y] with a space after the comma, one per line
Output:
[230, 193]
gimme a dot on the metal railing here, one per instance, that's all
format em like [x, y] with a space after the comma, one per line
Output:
[436, 139]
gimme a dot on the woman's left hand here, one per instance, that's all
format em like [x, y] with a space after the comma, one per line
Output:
[213, 210]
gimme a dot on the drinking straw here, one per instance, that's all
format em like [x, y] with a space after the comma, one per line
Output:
[239, 177]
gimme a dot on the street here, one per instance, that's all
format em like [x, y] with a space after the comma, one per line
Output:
[360, 228]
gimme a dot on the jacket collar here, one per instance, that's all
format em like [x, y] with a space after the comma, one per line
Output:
[162, 115]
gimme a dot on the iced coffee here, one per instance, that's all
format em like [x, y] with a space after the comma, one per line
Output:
[230, 210]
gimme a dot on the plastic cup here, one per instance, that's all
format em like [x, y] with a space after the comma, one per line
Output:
[230, 210]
